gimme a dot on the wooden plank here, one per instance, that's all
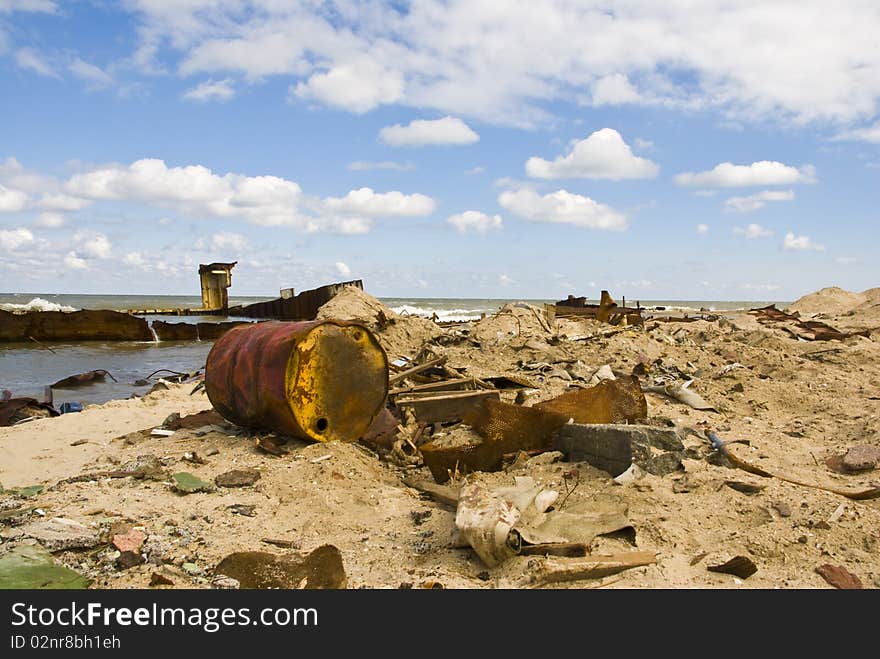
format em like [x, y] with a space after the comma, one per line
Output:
[417, 369]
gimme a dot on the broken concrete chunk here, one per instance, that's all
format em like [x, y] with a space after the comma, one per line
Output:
[186, 483]
[321, 569]
[237, 478]
[59, 534]
[31, 567]
[613, 447]
[663, 464]
[606, 447]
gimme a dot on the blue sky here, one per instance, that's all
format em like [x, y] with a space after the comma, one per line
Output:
[454, 149]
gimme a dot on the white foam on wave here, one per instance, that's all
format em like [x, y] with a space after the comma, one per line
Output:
[37, 304]
[442, 314]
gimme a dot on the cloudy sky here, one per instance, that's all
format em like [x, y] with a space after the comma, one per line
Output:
[464, 148]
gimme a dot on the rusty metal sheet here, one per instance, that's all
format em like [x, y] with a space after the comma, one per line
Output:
[610, 401]
[434, 407]
[299, 307]
[318, 380]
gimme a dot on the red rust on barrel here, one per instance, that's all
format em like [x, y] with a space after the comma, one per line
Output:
[252, 373]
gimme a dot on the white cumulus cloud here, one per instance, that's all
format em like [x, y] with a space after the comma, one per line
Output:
[423, 132]
[11, 201]
[228, 240]
[74, 262]
[602, 155]
[14, 238]
[800, 243]
[50, 220]
[93, 244]
[753, 231]
[702, 229]
[614, 89]
[62, 202]
[474, 221]
[342, 269]
[757, 200]
[262, 200]
[365, 201]
[508, 62]
[864, 134]
[357, 86]
[211, 90]
[562, 207]
[764, 172]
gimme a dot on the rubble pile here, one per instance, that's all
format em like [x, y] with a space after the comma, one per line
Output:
[520, 450]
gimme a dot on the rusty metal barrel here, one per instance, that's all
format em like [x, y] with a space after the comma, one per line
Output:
[320, 380]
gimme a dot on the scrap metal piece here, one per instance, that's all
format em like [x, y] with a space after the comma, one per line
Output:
[607, 311]
[810, 330]
[510, 428]
[80, 379]
[320, 380]
[610, 401]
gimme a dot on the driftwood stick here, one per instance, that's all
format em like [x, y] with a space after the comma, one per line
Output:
[444, 494]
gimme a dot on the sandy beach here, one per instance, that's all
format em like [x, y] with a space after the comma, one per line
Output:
[796, 403]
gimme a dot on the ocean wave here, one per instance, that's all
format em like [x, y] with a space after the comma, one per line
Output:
[37, 304]
[442, 314]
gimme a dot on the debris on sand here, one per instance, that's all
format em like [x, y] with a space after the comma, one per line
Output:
[321, 569]
[30, 567]
[186, 483]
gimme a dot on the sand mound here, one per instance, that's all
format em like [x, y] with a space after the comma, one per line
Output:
[872, 296]
[513, 320]
[399, 335]
[354, 304]
[831, 300]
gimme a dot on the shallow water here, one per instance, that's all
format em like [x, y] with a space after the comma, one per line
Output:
[26, 368]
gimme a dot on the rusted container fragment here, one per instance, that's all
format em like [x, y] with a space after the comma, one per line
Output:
[321, 380]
